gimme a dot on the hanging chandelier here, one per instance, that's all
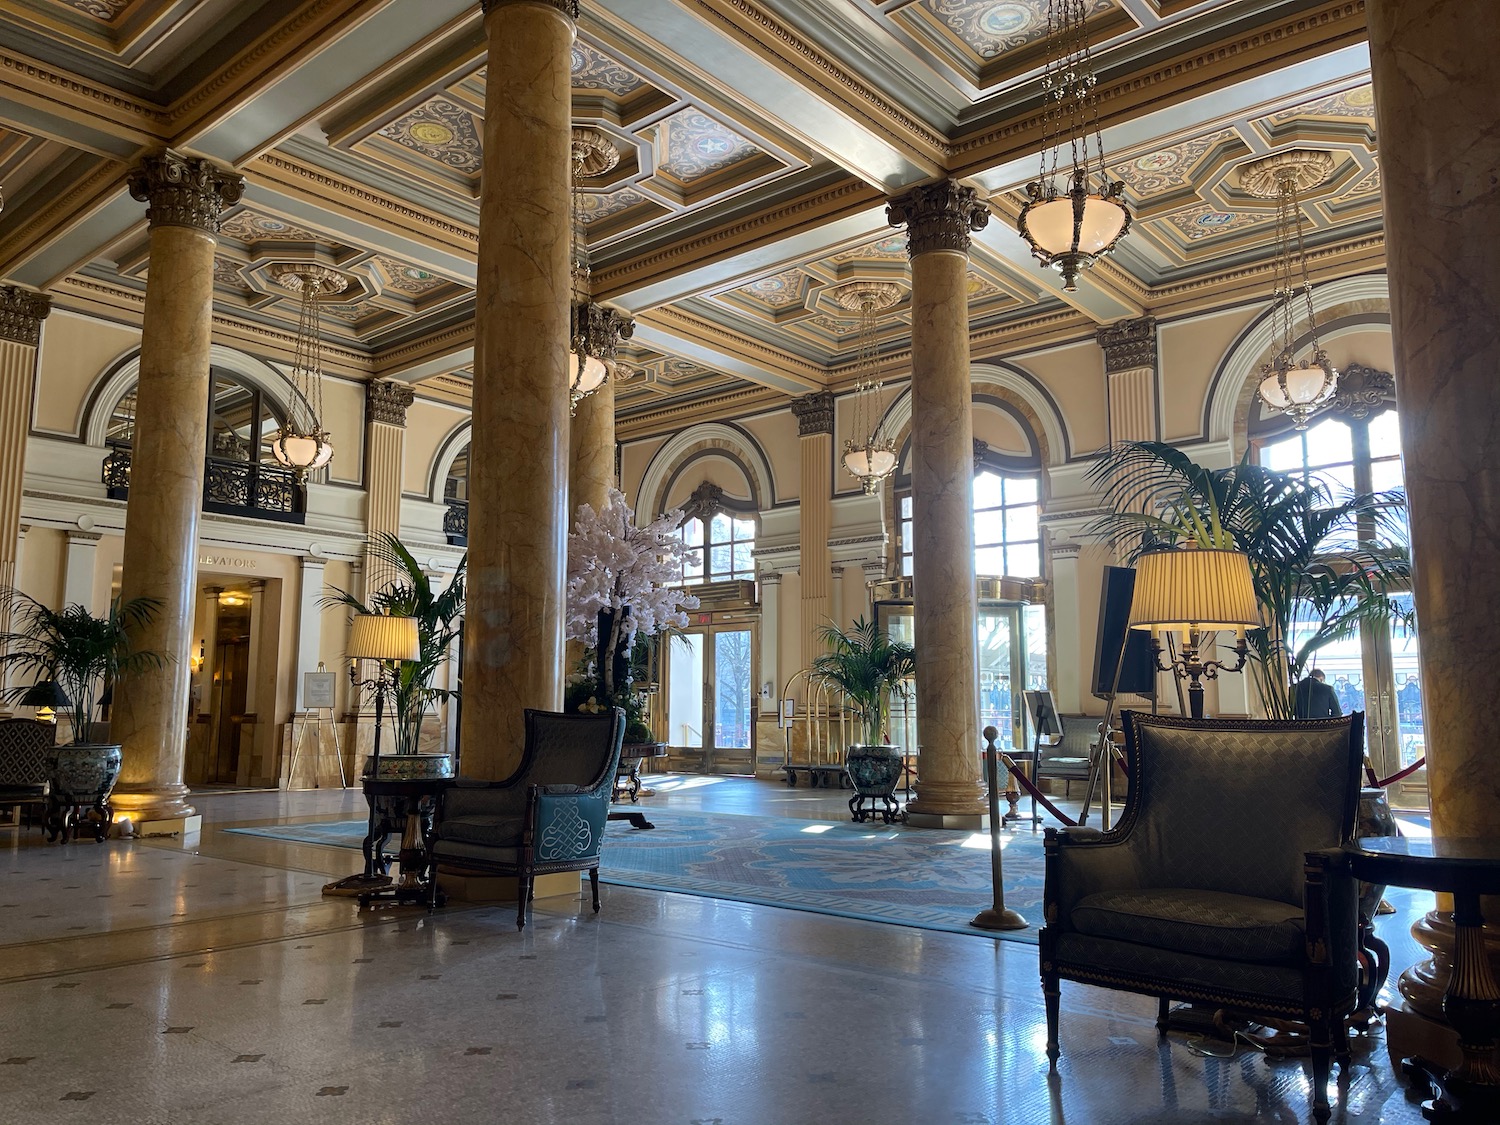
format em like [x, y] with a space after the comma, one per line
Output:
[301, 444]
[1070, 224]
[1297, 388]
[869, 455]
[595, 331]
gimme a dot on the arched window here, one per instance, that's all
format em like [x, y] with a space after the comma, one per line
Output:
[720, 535]
[242, 475]
[1354, 446]
[1007, 517]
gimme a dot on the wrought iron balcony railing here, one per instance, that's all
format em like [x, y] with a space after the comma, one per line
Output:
[456, 522]
[231, 488]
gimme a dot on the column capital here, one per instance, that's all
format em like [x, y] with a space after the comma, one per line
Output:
[21, 315]
[769, 578]
[568, 8]
[814, 413]
[77, 536]
[386, 403]
[938, 216]
[1128, 344]
[184, 192]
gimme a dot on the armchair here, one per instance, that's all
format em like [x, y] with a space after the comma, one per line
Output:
[547, 816]
[1223, 881]
[24, 745]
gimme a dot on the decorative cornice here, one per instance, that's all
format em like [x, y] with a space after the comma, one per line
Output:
[1128, 344]
[886, 114]
[386, 403]
[938, 216]
[39, 73]
[814, 413]
[184, 192]
[568, 8]
[21, 315]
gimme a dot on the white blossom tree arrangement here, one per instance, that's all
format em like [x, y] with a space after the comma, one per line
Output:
[624, 582]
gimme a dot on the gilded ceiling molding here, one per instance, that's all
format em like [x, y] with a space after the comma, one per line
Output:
[386, 403]
[638, 420]
[21, 315]
[938, 216]
[298, 33]
[814, 413]
[1128, 344]
[886, 113]
[60, 212]
[774, 223]
[1322, 29]
[1263, 270]
[184, 192]
[767, 356]
[364, 200]
[31, 74]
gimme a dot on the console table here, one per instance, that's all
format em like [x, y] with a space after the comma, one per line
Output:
[404, 805]
[1466, 869]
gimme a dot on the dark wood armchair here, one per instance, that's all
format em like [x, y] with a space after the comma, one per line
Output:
[24, 744]
[1223, 882]
[547, 816]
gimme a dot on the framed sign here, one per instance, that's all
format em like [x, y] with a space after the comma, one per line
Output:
[317, 690]
[1043, 715]
[788, 713]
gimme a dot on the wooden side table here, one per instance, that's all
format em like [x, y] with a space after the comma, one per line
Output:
[406, 805]
[1466, 869]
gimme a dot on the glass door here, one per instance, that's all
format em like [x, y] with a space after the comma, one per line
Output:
[709, 712]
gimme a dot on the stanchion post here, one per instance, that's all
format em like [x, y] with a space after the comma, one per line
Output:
[997, 917]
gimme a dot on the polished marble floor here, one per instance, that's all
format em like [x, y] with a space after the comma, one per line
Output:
[207, 982]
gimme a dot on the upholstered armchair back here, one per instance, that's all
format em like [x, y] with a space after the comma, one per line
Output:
[571, 749]
[1225, 804]
[23, 751]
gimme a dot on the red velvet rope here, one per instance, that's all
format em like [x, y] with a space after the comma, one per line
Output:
[1041, 797]
[1397, 776]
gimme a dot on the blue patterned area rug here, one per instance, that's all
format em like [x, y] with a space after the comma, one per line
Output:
[928, 878]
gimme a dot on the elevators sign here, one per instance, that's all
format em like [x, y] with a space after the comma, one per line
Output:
[317, 690]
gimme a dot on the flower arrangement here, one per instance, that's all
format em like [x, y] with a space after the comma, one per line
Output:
[623, 582]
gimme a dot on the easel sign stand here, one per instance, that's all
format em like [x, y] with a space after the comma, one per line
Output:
[317, 698]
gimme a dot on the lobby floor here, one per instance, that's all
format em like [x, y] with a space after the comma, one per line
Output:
[208, 982]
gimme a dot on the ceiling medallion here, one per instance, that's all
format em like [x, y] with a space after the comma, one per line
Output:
[302, 444]
[595, 332]
[1071, 224]
[869, 454]
[1297, 388]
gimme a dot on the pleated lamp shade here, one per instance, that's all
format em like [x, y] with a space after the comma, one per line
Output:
[1209, 589]
[377, 637]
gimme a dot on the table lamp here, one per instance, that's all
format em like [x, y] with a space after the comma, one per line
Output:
[47, 698]
[1192, 591]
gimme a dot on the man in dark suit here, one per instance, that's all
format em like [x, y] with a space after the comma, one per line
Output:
[1312, 698]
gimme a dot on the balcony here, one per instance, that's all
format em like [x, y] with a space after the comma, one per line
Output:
[230, 487]
[456, 522]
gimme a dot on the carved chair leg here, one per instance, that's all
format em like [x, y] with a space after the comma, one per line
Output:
[1163, 1014]
[1322, 1065]
[523, 896]
[594, 886]
[1052, 993]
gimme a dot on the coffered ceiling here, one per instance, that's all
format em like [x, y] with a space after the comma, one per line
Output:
[759, 141]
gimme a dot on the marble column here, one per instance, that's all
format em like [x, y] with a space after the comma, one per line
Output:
[385, 467]
[184, 198]
[814, 414]
[1433, 66]
[591, 461]
[939, 218]
[837, 613]
[1066, 642]
[21, 316]
[518, 461]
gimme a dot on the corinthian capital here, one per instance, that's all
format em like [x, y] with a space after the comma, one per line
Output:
[21, 315]
[387, 402]
[184, 192]
[938, 216]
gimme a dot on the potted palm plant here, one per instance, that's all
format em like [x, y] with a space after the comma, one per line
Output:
[1323, 563]
[868, 668]
[80, 654]
[411, 594]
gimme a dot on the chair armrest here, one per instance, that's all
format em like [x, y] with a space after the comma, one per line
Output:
[1331, 907]
[1084, 861]
[566, 823]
